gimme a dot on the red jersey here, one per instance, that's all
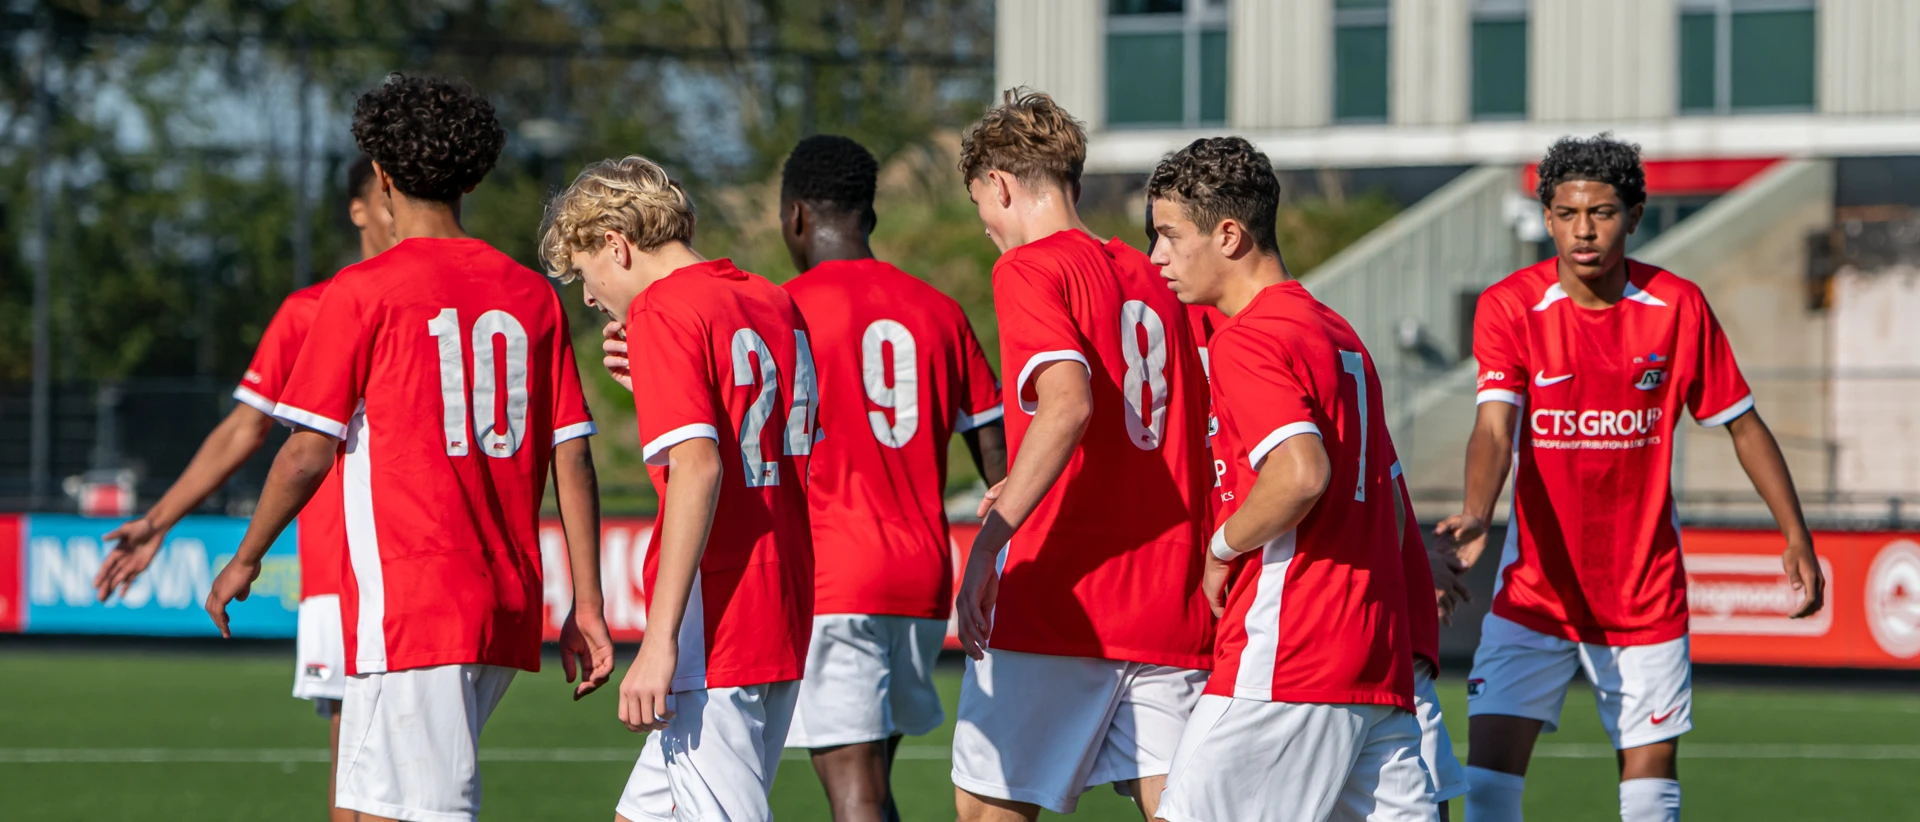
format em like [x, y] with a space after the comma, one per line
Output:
[722, 354]
[1108, 564]
[1423, 608]
[322, 532]
[898, 355]
[447, 369]
[1319, 614]
[1203, 320]
[1593, 552]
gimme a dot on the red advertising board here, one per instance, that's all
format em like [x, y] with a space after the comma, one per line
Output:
[1740, 599]
[623, 552]
[12, 604]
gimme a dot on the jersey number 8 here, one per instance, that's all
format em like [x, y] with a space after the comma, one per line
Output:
[1146, 369]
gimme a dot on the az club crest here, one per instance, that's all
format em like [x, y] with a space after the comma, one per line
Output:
[1650, 379]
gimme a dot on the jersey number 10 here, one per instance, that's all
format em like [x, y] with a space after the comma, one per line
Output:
[445, 329]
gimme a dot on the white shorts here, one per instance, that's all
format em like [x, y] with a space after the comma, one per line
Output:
[1436, 745]
[716, 759]
[409, 741]
[868, 678]
[1644, 692]
[1044, 729]
[320, 653]
[1244, 760]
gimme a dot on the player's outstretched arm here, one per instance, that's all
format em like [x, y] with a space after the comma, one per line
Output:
[222, 453]
[297, 472]
[586, 647]
[1489, 458]
[988, 446]
[1760, 455]
[1065, 403]
[686, 516]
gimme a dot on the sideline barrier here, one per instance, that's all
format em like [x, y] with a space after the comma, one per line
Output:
[1737, 591]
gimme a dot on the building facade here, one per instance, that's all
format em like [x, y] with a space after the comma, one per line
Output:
[1355, 83]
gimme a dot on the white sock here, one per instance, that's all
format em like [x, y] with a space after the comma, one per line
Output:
[1493, 796]
[1650, 800]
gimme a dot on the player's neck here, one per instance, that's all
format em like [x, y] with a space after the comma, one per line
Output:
[650, 267]
[1600, 292]
[425, 219]
[1250, 276]
[831, 243]
[1046, 213]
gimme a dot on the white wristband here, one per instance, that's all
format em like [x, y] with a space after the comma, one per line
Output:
[1221, 550]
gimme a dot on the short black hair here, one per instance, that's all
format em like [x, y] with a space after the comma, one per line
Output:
[436, 138]
[360, 178]
[830, 170]
[1217, 178]
[1600, 159]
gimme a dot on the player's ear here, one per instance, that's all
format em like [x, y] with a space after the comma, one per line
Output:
[1002, 188]
[1230, 239]
[357, 212]
[1633, 216]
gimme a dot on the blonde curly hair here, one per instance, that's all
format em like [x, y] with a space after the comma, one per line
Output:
[632, 195]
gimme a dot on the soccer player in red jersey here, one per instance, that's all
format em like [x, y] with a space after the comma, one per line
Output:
[1308, 714]
[900, 373]
[1080, 607]
[723, 382]
[320, 663]
[1586, 361]
[442, 375]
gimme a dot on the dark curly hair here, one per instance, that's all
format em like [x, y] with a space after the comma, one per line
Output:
[1222, 178]
[435, 137]
[827, 170]
[360, 178]
[1600, 159]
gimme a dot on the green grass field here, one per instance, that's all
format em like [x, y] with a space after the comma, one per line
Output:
[72, 720]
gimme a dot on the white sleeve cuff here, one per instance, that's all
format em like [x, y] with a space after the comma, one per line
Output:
[575, 431]
[656, 452]
[1497, 395]
[1732, 413]
[967, 422]
[1034, 363]
[1282, 434]
[308, 419]
[253, 399]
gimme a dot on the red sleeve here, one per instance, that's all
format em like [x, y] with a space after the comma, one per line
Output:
[267, 373]
[1035, 325]
[673, 382]
[1718, 394]
[1261, 396]
[330, 376]
[979, 391]
[1496, 346]
[571, 418]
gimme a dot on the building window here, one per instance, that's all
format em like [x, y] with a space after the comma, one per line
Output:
[1166, 63]
[1360, 50]
[1746, 55]
[1499, 59]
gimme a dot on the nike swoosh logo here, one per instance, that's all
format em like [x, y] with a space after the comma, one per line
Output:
[1666, 716]
[1541, 380]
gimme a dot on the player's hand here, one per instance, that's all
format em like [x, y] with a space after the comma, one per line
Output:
[615, 346]
[1466, 536]
[979, 590]
[232, 585]
[1449, 589]
[986, 502]
[136, 543]
[586, 649]
[1213, 583]
[1803, 572]
[644, 691]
